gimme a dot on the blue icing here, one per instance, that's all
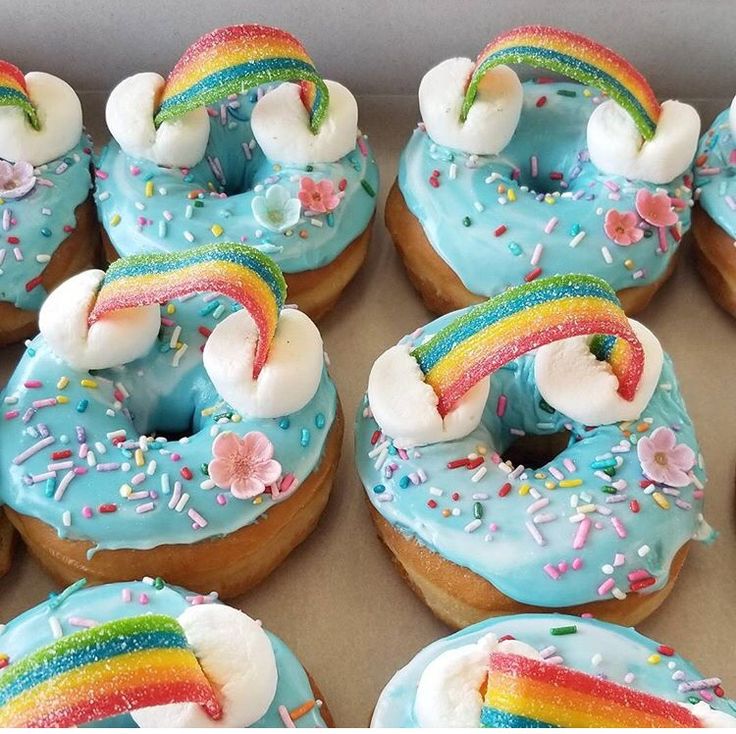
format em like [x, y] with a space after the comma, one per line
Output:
[172, 221]
[38, 220]
[502, 549]
[556, 134]
[716, 175]
[32, 630]
[623, 650]
[161, 398]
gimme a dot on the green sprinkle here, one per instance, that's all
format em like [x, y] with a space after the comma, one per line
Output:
[158, 583]
[608, 489]
[198, 203]
[478, 511]
[368, 188]
[567, 93]
[610, 471]
[693, 699]
[466, 222]
[205, 469]
[545, 406]
[309, 167]
[569, 629]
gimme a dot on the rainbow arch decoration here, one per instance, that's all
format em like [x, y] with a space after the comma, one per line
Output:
[492, 334]
[526, 693]
[14, 92]
[577, 57]
[103, 671]
[239, 57]
[237, 271]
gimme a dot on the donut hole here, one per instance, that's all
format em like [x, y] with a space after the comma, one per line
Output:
[535, 451]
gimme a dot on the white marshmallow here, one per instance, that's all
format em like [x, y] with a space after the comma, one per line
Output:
[129, 114]
[116, 339]
[732, 118]
[617, 148]
[280, 125]
[405, 406]
[238, 659]
[288, 380]
[448, 694]
[59, 116]
[573, 381]
[710, 718]
[492, 119]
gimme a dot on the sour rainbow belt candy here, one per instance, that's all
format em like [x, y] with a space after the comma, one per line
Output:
[14, 92]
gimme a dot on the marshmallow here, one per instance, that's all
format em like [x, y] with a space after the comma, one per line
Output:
[116, 339]
[617, 148]
[405, 407]
[280, 125]
[238, 659]
[60, 121]
[491, 120]
[583, 388]
[129, 114]
[710, 718]
[448, 694]
[288, 380]
[732, 118]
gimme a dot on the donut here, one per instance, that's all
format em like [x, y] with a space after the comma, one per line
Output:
[196, 438]
[147, 654]
[541, 670]
[47, 222]
[513, 462]
[503, 181]
[229, 147]
[714, 219]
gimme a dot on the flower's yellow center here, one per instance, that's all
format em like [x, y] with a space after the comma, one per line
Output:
[660, 458]
[276, 216]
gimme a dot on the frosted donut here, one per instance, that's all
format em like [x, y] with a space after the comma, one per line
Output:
[47, 222]
[542, 485]
[189, 649]
[505, 181]
[714, 219]
[283, 168]
[605, 675]
[120, 448]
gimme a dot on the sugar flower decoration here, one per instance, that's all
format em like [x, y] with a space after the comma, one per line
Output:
[318, 196]
[621, 227]
[245, 465]
[16, 179]
[655, 209]
[663, 460]
[276, 210]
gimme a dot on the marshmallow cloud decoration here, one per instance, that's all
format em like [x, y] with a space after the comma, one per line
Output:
[280, 124]
[59, 122]
[732, 117]
[287, 381]
[617, 148]
[238, 659]
[129, 114]
[405, 406]
[572, 380]
[491, 121]
[118, 339]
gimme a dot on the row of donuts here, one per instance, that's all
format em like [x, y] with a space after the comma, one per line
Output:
[174, 419]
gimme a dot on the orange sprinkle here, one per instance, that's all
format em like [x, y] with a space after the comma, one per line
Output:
[642, 427]
[302, 710]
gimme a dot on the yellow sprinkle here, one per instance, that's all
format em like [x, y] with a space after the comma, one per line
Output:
[277, 167]
[629, 264]
[524, 490]
[587, 93]
[149, 189]
[258, 500]
[126, 490]
[586, 508]
[482, 449]
[92, 384]
[139, 460]
[570, 482]
[216, 230]
[2, 201]
[236, 418]
[540, 475]
[643, 426]
[170, 309]
[550, 484]
[549, 199]
[654, 659]
[62, 383]
[625, 425]
[661, 500]
[512, 195]
[62, 399]
[115, 220]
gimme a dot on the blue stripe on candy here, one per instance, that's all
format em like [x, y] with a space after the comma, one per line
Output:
[491, 718]
[14, 93]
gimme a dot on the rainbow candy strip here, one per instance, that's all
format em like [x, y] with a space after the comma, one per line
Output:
[234, 270]
[529, 694]
[14, 92]
[233, 59]
[574, 56]
[103, 671]
[490, 335]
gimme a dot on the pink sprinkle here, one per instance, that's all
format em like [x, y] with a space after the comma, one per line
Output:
[586, 615]
[501, 406]
[698, 494]
[44, 403]
[606, 586]
[32, 384]
[138, 478]
[362, 146]
[286, 717]
[569, 465]
[577, 564]
[101, 174]
[638, 575]
[581, 535]
[562, 566]
[143, 598]
[286, 482]
[556, 473]
[549, 227]
[87, 511]
[706, 695]
[11, 414]
[618, 526]
[147, 507]
[493, 527]
[221, 499]
[126, 595]
[403, 454]
[732, 158]
[551, 571]
[166, 321]
[612, 186]
[662, 235]
[82, 622]
[175, 457]
[198, 519]
[135, 171]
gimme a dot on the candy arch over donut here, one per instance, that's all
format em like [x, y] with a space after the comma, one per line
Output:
[14, 92]
[496, 332]
[230, 60]
[240, 272]
[577, 57]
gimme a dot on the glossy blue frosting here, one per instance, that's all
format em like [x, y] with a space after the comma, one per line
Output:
[32, 630]
[465, 519]
[169, 220]
[462, 215]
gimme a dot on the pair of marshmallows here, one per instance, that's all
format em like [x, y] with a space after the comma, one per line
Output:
[616, 147]
[568, 376]
[286, 383]
[279, 121]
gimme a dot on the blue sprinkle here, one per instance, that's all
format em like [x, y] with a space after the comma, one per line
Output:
[379, 488]
[514, 248]
[575, 229]
[50, 486]
[45, 231]
[404, 482]
[209, 308]
[82, 405]
[319, 420]
[284, 423]
[305, 437]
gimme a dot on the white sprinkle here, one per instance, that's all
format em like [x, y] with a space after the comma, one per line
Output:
[182, 503]
[178, 355]
[436, 491]
[643, 551]
[175, 337]
[66, 518]
[472, 526]
[188, 236]
[479, 474]
[452, 172]
[56, 632]
[538, 537]
[578, 238]
[606, 255]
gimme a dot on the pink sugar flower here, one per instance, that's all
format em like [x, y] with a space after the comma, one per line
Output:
[655, 208]
[245, 465]
[663, 460]
[318, 196]
[621, 227]
[16, 179]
